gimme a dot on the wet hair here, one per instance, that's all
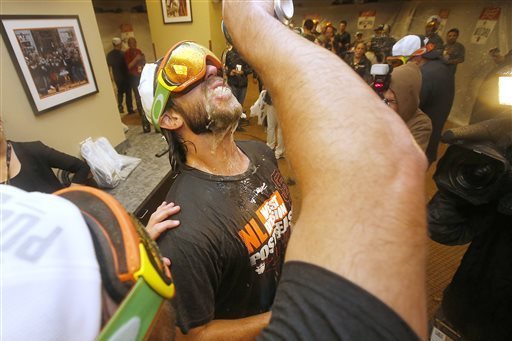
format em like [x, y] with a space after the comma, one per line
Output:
[308, 24]
[177, 147]
[456, 30]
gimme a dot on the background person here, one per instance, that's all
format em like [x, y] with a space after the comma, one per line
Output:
[477, 302]
[307, 28]
[359, 63]
[323, 297]
[403, 96]
[454, 52]
[326, 39]
[274, 131]
[431, 27]
[28, 165]
[117, 64]
[237, 71]
[342, 40]
[135, 60]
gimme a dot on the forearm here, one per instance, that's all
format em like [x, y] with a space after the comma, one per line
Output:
[360, 173]
[228, 330]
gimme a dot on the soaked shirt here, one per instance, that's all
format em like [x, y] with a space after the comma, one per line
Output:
[228, 252]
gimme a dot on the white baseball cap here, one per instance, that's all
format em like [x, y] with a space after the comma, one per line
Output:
[410, 45]
[116, 41]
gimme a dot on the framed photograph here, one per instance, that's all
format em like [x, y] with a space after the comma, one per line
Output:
[176, 11]
[51, 58]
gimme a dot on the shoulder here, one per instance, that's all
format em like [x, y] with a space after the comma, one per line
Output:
[31, 145]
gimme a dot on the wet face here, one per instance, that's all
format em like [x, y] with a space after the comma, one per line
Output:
[210, 106]
[451, 37]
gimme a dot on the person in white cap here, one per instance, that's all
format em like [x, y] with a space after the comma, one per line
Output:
[236, 209]
[437, 85]
[119, 69]
[355, 264]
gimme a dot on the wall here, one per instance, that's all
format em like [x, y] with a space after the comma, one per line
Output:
[65, 127]
[218, 42]
[409, 18]
[109, 27]
[166, 35]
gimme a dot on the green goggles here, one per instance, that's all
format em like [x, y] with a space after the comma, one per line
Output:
[131, 265]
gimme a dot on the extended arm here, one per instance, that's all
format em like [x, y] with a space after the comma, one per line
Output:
[358, 169]
[66, 162]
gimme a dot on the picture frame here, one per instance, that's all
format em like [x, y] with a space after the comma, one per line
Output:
[176, 11]
[51, 58]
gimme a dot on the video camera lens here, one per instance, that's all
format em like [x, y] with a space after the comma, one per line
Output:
[475, 176]
[476, 173]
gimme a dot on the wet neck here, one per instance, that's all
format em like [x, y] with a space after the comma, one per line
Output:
[217, 154]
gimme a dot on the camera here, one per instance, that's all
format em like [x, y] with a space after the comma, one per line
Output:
[477, 173]
[477, 165]
[381, 74]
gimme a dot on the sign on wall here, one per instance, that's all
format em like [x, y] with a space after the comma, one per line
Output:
[366, 20]
[485, 25]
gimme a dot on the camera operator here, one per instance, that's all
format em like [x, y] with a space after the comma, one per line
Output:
[400, 90]
[474, 204]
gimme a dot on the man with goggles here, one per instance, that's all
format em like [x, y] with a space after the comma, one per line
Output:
[76, 266]
[235, 206]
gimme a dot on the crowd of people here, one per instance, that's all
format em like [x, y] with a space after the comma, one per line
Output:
[436, 60]
[350, 266]
[58, 70]
[378, 48]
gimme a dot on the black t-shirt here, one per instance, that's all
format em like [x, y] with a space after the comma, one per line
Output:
[228, 252]
[362, 68]
[342, 43]
[234, 61]
[315, 304]
[115, 59]
[37, 161]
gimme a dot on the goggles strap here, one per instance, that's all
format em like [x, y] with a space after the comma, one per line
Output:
[159, 102]
[135, 316]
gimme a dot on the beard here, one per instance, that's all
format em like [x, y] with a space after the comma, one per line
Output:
[222, 108]
[219, 112]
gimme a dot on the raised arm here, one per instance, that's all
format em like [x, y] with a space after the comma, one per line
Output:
[358, 169]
